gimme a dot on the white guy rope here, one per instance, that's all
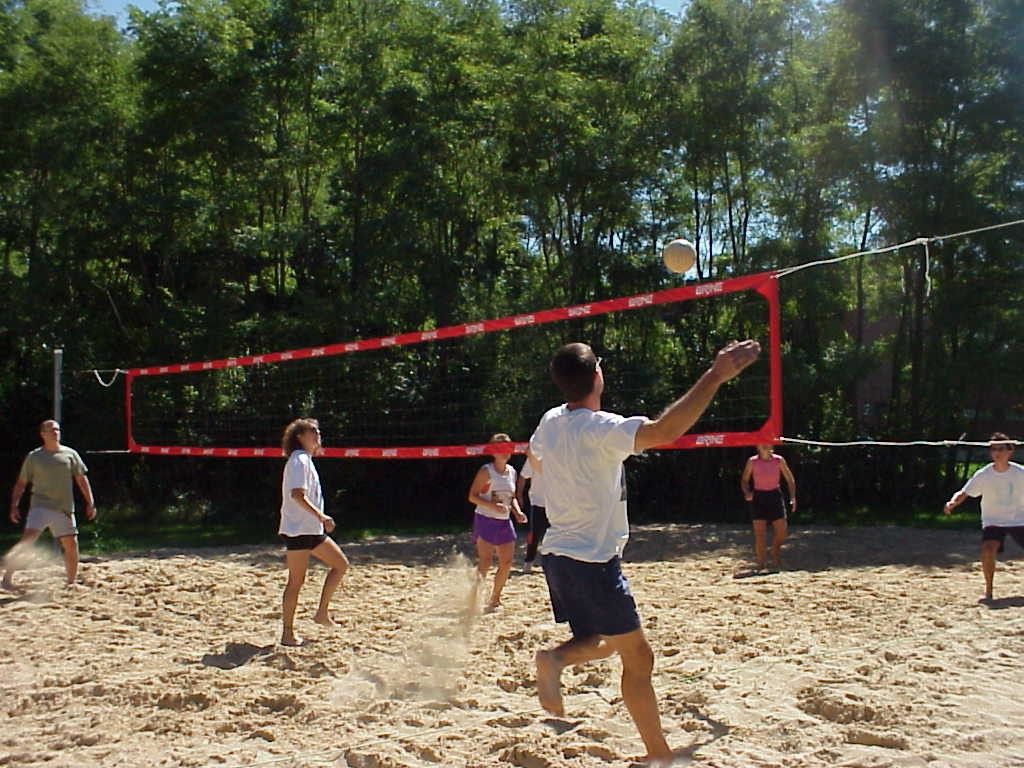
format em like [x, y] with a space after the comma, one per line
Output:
[893, 443]
[106, 384]
[922, 241]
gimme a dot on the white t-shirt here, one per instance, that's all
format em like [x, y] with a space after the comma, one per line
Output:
[536, 484]
[501, 490]
[1002, 494]
[581, 453]
[296, 520]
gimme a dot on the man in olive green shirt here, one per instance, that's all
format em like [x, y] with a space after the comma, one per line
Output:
[51, 470]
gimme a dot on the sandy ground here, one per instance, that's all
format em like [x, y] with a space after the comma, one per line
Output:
[870, 651]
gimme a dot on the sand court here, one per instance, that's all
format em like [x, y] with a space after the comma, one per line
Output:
[870, 651]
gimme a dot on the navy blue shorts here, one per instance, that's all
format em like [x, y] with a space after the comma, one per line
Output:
[593, 597]
[998, 533]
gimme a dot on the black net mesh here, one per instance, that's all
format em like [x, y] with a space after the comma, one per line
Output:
[459, 391]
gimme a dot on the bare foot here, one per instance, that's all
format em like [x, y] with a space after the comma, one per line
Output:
[549, 682]
[325, 620]
[492, 606]
[659, 761]
[291, 639]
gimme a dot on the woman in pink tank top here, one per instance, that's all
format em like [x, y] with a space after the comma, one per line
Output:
[760, 484]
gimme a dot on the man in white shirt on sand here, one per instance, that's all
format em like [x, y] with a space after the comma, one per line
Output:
[1001, 487]
[579, 450]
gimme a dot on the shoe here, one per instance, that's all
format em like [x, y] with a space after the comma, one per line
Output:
[527, 567]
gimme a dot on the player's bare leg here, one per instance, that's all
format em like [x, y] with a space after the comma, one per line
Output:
[484, 555]
[14, 558]
[760, 546]
[638, 692]
[297, 561]
[779, 530]
[506, 552]
[69, 546]
[485, 552]
[989, 550]
[551, 663]
[329, 553]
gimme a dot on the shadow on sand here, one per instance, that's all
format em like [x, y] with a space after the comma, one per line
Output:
[810, 548]
[235, 655]
[999, 603]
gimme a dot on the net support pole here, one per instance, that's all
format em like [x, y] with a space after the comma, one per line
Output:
[775, 359]
[129, 440]
[58, 369]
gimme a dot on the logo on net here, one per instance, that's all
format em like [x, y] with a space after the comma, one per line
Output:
[707, 289]
[710, 440]
[642, 301]
[579, 311]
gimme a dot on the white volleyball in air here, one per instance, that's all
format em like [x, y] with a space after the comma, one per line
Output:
[679, 255]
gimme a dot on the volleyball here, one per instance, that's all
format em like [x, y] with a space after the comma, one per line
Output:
[679, 255]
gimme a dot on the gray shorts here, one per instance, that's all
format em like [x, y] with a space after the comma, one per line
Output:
[60, 525]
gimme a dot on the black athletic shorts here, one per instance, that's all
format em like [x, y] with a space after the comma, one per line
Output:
[998, 533]
[768, 505]
[303, 542]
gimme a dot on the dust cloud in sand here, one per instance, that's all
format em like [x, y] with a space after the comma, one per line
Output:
[871, 651]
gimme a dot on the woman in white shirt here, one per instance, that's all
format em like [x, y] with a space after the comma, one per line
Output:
[304, 526]
[493, 491]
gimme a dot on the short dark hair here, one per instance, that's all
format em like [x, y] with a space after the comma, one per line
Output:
[290, 439]
[572, 369]
[998, 438]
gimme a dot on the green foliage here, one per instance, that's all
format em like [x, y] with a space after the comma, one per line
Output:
[235, 176]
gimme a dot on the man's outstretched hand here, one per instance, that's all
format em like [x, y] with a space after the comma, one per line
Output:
[733, 358]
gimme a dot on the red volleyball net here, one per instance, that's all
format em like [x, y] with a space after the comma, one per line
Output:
[441, 392]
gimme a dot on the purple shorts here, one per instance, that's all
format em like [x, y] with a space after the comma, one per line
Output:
[493, 531]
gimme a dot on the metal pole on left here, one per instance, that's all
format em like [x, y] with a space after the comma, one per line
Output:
[58, 365]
